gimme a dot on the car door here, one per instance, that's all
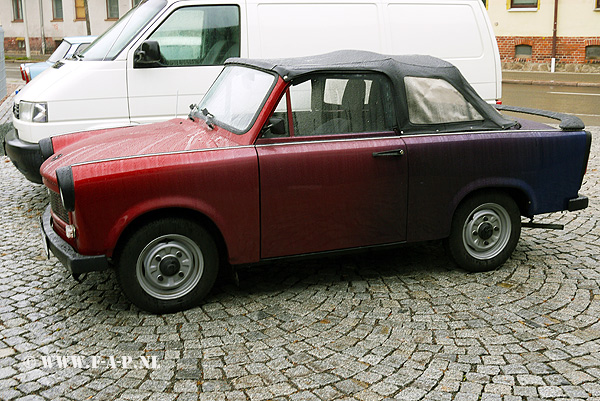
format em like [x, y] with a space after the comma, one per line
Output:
[338, 177]
[194, 42]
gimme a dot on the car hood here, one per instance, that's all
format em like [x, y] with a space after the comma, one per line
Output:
[175, 135]
[62, 80]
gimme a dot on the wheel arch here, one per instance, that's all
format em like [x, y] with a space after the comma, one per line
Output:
[522, 196]
[192, 215]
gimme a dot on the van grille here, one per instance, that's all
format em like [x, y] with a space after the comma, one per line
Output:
[58, 208]
[16, 110]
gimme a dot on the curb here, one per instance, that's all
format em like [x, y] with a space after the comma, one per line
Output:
[551, 83]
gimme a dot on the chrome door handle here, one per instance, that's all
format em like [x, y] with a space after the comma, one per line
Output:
[386, 153]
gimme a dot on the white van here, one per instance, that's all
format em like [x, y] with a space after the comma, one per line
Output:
[162, 56]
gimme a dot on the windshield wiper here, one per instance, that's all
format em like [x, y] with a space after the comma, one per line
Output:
[209, 118]
[192, 113]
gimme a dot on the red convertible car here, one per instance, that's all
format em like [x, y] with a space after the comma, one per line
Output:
[292, 157]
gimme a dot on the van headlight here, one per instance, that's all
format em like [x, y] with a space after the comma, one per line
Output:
[33, 112]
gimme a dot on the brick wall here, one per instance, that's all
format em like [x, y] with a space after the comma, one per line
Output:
[12, 44]
[569, 50]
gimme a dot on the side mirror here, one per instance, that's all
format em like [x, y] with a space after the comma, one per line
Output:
[276, 126]
[147, 55]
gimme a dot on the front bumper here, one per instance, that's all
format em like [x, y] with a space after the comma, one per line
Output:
[76, 263]
[27, 157]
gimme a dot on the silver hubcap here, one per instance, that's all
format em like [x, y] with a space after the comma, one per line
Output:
[170, 266]
[487, 231]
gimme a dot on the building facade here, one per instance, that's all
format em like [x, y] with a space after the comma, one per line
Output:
[536, 31]
[59, 18]
[531, 31]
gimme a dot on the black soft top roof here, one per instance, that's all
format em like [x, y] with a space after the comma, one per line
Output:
[396, 68]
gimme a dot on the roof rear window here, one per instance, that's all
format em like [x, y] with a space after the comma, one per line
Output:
[436, 101]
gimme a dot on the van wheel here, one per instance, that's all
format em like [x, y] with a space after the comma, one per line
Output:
[168, 265]
[485, 231]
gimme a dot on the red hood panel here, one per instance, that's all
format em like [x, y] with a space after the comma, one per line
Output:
[170, 136]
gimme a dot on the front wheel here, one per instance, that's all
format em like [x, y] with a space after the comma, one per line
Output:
[168, 265]
[485, 231]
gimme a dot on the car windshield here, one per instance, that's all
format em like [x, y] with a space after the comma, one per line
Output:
[113, 41]
[60, 52]
[236, 98]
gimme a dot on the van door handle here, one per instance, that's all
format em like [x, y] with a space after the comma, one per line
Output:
[387, 153]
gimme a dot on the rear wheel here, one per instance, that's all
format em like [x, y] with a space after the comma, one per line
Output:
[168, 265]
[485, 231]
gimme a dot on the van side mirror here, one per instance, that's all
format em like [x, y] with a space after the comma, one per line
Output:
[147, 55]
[276, 125]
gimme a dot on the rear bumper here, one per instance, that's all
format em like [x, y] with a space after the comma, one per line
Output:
[581, 202]
[26, 156]
[76, 263]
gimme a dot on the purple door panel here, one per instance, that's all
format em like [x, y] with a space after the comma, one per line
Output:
[331, 194]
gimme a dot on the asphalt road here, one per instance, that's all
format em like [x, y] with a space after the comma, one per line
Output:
[13, 72]
[583, 102]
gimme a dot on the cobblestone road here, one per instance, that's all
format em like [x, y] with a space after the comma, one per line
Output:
[403, 325]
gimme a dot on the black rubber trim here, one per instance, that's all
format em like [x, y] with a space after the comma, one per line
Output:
[66, 185]
[568, 122]
[581, 202]
[76, 263]
[46, 148]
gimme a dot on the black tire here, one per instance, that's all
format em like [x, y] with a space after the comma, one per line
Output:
[485, 230]
[168, 265]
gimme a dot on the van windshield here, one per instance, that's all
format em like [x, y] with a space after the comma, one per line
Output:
[113, 41]
[60, 52]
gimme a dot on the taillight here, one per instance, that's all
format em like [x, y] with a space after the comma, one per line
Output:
[498, 101]
[23, 75]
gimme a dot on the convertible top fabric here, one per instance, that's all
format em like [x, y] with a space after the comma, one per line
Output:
[396, 68]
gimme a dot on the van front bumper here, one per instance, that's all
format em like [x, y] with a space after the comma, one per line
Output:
[76, 263]
[26, 156]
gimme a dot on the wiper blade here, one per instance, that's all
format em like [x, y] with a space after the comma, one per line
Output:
[209, 118]
[193, 109]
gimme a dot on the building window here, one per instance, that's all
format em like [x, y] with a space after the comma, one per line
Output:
[112, 9]
[17, 10]
[523, 51]
[57, 10]
[592, 52]
[79, 10]
[524, 4]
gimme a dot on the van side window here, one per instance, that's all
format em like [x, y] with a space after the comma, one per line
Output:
[340, 104]
[436, 101]
[200, 35]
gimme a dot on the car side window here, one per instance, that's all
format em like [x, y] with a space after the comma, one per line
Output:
[436, 101]
[199, 35]
[340, 104]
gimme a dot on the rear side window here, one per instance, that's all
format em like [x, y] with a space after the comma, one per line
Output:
[436, 101]
[200, 35]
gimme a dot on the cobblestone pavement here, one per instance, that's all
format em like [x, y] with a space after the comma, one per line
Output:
[403, 324]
